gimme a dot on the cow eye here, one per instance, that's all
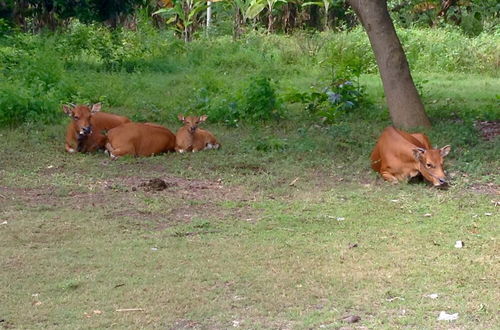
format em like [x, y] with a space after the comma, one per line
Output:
[76, 117]
[429, 165]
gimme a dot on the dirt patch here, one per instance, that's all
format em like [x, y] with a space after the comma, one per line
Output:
[156, 184]
[160, 201]
[485, 188]
[488, 129]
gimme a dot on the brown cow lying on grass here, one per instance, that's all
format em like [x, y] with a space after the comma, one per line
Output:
[399, 155]
[191, 138]
[85, 132]
[139, 139]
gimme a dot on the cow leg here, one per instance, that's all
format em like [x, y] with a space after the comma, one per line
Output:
[114, 153]
[69, 148]
[110, 151]
[389, 177]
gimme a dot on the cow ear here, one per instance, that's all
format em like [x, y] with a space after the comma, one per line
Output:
[180, 117]
[67, 109]
[203, 118]
[96, 108]
[418, 152]
[445, 151]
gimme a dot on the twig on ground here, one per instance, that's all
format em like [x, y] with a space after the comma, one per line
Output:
[129, 310]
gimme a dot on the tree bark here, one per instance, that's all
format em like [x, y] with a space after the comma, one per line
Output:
[405, 107]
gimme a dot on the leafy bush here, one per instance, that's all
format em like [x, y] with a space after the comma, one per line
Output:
[331, 102]
[118, 49]
[30, 81]
[254, 101]
[259, 102]
[267, 143]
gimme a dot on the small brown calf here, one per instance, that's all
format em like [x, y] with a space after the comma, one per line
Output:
[139, 139]
[85, 132]
[191, 138]
[399, 155]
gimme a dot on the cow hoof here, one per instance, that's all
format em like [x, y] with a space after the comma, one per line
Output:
[71, 150]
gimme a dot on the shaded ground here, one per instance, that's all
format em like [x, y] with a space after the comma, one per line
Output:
[489, 129]
[121, 196]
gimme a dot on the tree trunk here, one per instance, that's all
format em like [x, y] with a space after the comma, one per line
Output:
[238, 23]
[270, 20]
[403, 101]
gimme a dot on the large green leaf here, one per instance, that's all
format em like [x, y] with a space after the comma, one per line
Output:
[313, 3]
[255, 9]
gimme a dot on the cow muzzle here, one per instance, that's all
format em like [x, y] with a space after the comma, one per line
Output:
[84, 131]
[442, 184]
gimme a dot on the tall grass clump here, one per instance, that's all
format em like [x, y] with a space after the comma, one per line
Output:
[118, 50]
[31, 80]
[449, 50]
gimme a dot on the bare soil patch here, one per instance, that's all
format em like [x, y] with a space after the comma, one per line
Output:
[486, 188]
[488, 129]
[185, 199]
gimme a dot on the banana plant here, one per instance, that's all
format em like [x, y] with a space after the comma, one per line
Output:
[240, 16]
[184, 14]
[257, 6]
[326, 4]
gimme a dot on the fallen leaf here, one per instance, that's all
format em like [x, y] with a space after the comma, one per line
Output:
[443, 316]
[293, 182]
[428, 215]
[129, 310]
[394, 298]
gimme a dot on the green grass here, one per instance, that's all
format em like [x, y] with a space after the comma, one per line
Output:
[232, 243]
[250, 235]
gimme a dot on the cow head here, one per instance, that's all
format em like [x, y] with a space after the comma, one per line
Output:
[81, 115]
[192, 122]
[430, 163]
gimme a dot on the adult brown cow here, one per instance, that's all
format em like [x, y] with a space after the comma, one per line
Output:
[85, 133]
[139, 139]
[399, 155]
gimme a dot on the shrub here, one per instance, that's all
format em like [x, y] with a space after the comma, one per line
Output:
[259, 102]
[254, 101]
[330, 102]
[30, 81]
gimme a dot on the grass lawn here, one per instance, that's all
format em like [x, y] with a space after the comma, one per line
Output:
[285, 227]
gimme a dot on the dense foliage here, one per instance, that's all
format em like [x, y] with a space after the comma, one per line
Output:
[258, 77]
[188, 17]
